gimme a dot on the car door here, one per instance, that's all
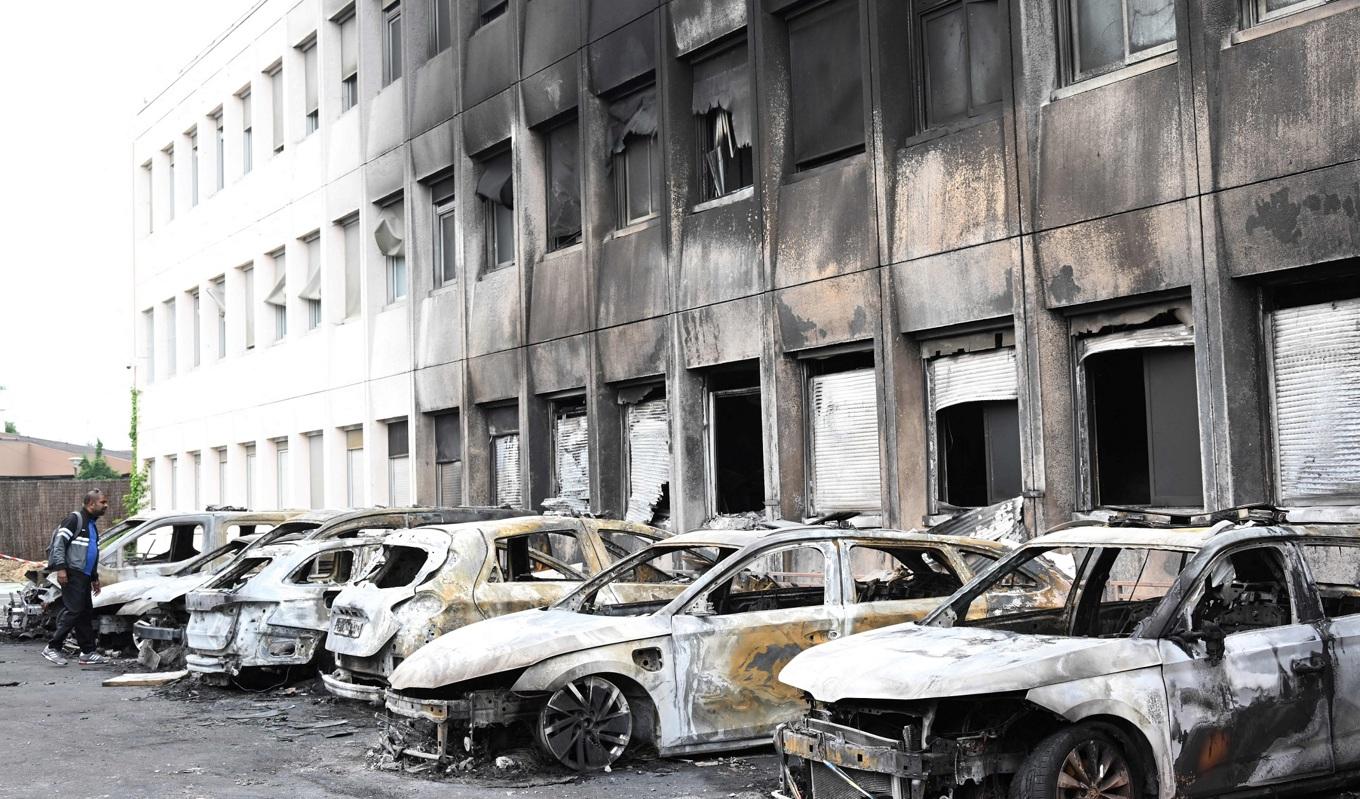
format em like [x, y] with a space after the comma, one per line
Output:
[889, 582]
[533, 568]
[1334, 569]
[1257, 713]
[731, 642]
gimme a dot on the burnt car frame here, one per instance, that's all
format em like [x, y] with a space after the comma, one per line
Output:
[679, 644]
[1222, 665]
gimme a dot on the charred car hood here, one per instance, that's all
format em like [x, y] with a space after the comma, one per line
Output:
[126, 591]
[163, 591]
[907, 661]
[515, 642]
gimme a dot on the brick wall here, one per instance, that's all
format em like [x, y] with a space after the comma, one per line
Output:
[31, 509]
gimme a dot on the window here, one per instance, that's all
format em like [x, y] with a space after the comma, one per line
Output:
[354, 468]
[222, 475]
[353, 277]
[441, 26]
[316, 470]
[826, 83]
[278, 296]
[488, 10]
[170, 182]
[503, 425]
[172, 464]
[390, 235]
[171, 346]
[276, 97]
[843, 435]
[571, 456]
[250, 475]
[1258, 11]
[311, 290]
[445, 234]
[398, 464]
[281, 472]
[789, 577]
[722, 106]
[1142, 429]
[535, 557]
[148, 190]
[311, 102]
[886, 573]
[564, 188]
[636, 158]
[349, 62]
[963, 58]
[496, 188]
[736, 448]
[328, 568]
[217, 292]
[193, 167]
[247, 133]
[197, 478]
[648, 440]
[1241, 591]
[220, 151]
[197, 303]
[391, 44]
[448, 458]
[168, 544]
[149, 332]
[974, 426]
[248, 301]
[1103, 35]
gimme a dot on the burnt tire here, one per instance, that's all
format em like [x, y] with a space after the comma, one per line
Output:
[1078, 762]
[586, 724]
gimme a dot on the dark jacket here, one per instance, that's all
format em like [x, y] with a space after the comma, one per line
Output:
[71, 544]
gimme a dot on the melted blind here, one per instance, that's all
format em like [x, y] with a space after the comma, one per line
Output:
[572, 460]
[1317, 415]
[974, 377]
[505, 465]
[450, 476]
[399, 481]
[649, 457]
[845, 462]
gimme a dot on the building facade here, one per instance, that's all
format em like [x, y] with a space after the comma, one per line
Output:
[681, 257]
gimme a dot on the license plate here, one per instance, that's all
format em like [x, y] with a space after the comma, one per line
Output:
[347, 627]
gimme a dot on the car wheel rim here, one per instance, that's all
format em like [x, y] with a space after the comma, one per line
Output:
[1095, 770]
[586, 724]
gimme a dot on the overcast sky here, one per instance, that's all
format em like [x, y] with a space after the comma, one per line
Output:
[76, 78]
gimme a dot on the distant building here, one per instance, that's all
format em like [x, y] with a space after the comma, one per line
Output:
[25, 456]
[792, 256]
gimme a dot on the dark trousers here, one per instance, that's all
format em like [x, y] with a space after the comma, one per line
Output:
[77, 613]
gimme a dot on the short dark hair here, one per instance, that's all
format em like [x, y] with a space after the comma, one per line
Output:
[93, 494]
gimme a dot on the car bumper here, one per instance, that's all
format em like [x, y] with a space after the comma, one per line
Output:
[212, 664]
[151, 632]
[476, 709]
[340, 685]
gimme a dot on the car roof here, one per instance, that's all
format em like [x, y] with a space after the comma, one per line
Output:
[737, 539]
[1196, 537]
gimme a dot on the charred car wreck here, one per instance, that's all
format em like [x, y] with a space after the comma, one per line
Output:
[1183, 662]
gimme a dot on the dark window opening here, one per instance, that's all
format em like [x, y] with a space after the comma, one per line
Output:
[170, 544]
[448, 458]
[496, 188]
[979, 453]
[635, 157]
[540, 557]
[564, 186]
[1247, 590]
[826, 83]
[241, 573]
[737, 444]
[883, 573]
[788, 578]
[963, 58]
[722, 107]
[400, 566]
[1144, 427]
[441, 26]
[727, 166]
[328, 568]
[488, 10]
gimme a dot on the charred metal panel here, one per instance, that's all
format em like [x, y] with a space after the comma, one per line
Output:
[1289, 101]
[385, 176]
[1111, 149]
[609, 15]
[558, 365]
[631, 351]
[953, 192]
[1289, 222]
[552, 91]
[434, 151]
[557, 305]
[488, 124]
[980, 280]
[696, 23]
[489, 67]
[720, 256]
[837, 311]
[552, 31]
[438, 387]
[434, 91]
[722, 333]
[492, 378]
[631, 283]
[624, 55]
[825, 225]
[1134, 253]
[493, 312]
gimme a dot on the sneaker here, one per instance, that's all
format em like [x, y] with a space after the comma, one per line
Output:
[93, 659]
[54, 656]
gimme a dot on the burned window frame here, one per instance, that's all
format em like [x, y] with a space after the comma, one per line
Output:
[502, 422]
[446, 455]
[633, 132]
[809, 16]
[922, 12]
[723, 116]
[564, 136]
[1255, 12]
[1070, 44]
[497, 173]
[734, 382]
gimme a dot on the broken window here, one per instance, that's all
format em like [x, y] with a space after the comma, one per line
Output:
[736, 446]
[791, 577]
[1103, 35]
[398, 464]
[240, 574]
[535, 557]
[722, 105]
[564, 186]
[646, 419]
[1315, 370]
[398, 567]
[826, 83]
[503, 424]
[843, 435]
[1335, 569]
[661, 572]
[622, 543]
[448, 459]
[636, 159]
[1142, 418]
[496, 187]
[976, 432]
[168, 544]
[1243, 590]
[390, 235]
[571, 456]
[327, 568]
[883, 573]
[963, 58]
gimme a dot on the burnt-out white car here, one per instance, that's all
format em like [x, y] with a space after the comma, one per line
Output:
[430, 580]
[1211, 661]
[679, 644]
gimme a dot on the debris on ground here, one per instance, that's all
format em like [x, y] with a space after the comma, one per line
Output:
[13, 570]
[149, 679]
[750, 520]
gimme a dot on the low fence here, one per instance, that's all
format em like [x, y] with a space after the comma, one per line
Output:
[30, 510]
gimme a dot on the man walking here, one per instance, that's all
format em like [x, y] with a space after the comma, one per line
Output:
[74, 556]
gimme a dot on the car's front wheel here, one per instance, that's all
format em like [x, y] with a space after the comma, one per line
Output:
[586, 724]
[1078, 762]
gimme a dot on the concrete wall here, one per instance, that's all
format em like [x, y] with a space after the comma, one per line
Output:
[31, 509]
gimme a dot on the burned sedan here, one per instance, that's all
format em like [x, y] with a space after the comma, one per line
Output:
[429, 581]
[1182, 662]
[679, 644]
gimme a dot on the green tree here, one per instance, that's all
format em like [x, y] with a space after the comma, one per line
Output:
[10, 428]
[135, 498]
[97, 469]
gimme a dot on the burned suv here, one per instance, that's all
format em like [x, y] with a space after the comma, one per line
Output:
[1183, 662]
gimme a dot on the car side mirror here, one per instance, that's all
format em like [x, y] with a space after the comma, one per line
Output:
[702, 608]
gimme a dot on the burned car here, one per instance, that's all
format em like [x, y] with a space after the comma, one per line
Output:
[678, 644]
[1191, 662]
[432, 580]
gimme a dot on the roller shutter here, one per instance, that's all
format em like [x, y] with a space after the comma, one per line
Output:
[571, 455]
[649, 457]
[974, 377]
[845, 456]
[505, 463]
